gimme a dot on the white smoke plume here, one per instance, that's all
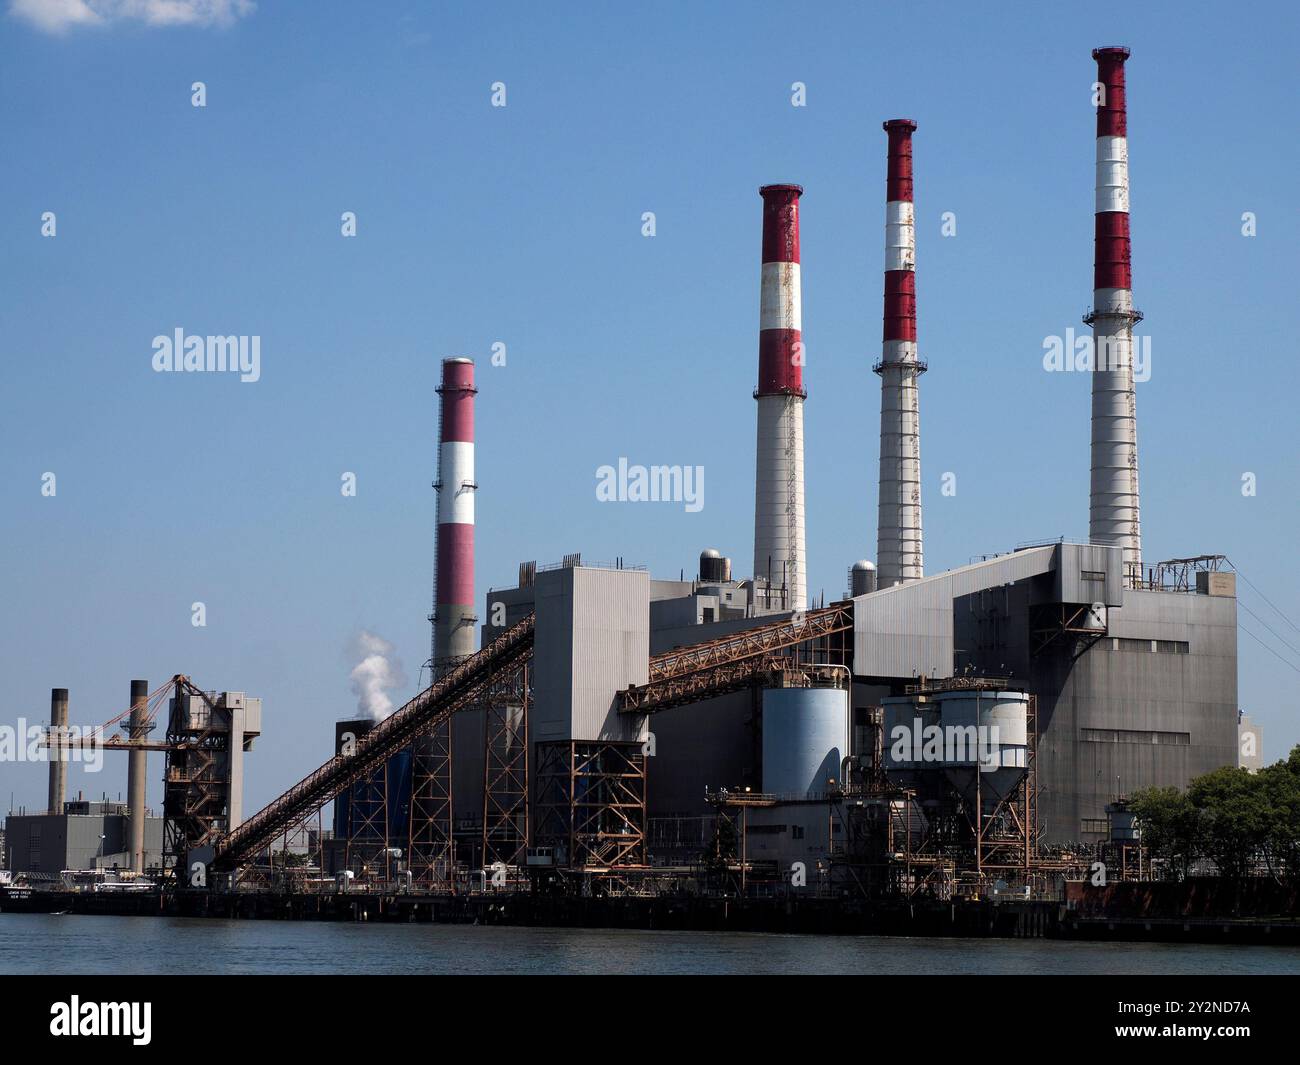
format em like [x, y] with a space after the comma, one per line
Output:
[375, 676]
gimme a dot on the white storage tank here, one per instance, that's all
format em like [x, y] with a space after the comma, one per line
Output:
[805, 739]
[986, 732]
[906, 717]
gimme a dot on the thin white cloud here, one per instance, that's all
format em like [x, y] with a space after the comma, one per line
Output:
[58, 16]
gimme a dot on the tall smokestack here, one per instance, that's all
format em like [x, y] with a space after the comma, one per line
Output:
[136, 762]
[778, 484]
[899, 556]
[1113, 513]
[453, 609]
[58, 749]
[432, 850]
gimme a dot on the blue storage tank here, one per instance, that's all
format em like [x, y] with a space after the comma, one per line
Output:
[399, 787]
[805, 739]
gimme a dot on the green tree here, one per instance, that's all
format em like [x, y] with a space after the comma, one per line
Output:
[1280, 784]
[1171, 827]
[1235, 818]
[1229, 815]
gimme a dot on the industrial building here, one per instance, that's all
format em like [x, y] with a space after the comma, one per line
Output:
[89, 834]
[971, 728]
[206, 737]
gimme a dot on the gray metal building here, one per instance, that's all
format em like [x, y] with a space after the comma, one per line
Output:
[89, 834]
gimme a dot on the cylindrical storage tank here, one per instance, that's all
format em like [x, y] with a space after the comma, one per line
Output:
[712, 565]
[986, 732]
[805, 738]
[399, 799]
[1123, 823]
[906, 719]
[862, 578]
[346, 735]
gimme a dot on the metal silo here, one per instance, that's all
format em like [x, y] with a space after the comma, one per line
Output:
[985, 737]
[862, 578]
[805, 740]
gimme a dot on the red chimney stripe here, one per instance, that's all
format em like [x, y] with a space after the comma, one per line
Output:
[899, 182]
[455, 564]
[1112, 117]
[780, 223]
[457, 401]
[777, 370]
[1111, 255]
[900, 305]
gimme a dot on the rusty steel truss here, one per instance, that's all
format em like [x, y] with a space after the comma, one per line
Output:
[367, 850]
[941, 835]
[730, 663]
[430, 843]
[591, 803]
[194, 786]
[705, 684]
[998, 837]
[801, 627]
[506, 828]
[1051, 622]
[733, 663]
[458, 689]
[1007, 836]
[1179, 574]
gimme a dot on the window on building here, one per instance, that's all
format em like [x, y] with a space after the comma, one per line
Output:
[1130, 735]
[1164, 647]
[796, 832]
[1093, 574]
[1091, 826]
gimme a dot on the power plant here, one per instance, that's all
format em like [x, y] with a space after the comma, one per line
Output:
[972, 731]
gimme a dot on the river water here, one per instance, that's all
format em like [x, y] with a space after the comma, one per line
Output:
[31, 943]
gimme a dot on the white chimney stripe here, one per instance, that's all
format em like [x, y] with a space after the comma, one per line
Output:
[899, 351]
[456, 476]
[899, 540]
[779, 301]
[780, 419]
[1112, 300]
[1112, 174]
[900, 235]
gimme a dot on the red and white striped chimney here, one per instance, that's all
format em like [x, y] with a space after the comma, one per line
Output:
[1114, 516]
[453, 612]
[899, 556]
[778, 484]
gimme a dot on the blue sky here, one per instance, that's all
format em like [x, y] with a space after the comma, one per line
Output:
[522, 225]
